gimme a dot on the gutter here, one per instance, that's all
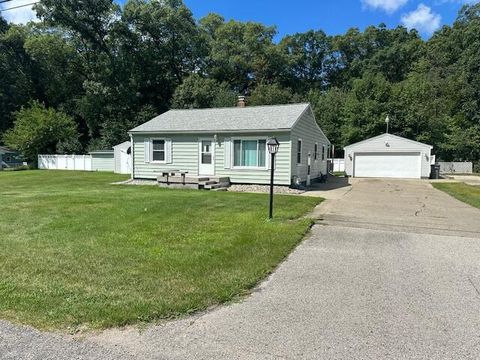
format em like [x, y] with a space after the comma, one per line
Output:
[206, 131]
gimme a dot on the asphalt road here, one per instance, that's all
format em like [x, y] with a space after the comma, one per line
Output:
[383, 276]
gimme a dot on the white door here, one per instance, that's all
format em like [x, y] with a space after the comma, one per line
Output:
[387, 165]
[206, 157]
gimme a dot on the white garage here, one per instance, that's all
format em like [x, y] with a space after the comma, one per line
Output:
[388, 156]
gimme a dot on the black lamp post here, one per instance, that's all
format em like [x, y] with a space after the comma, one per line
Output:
[273, 146]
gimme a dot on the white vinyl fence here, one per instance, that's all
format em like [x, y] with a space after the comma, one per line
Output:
[65, 162]
[465, 167]
[338, 165]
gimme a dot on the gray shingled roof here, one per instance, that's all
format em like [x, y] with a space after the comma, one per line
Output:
[274, 117]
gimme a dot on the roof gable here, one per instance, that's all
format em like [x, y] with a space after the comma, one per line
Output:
[378, 137]
[254, 118]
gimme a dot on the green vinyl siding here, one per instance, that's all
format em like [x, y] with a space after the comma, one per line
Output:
[307, 130]
[184, 155]
[103, 162]
[185, 150]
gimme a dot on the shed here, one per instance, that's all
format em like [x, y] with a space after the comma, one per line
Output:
[102, 160]
[388, 156]
[123, 158]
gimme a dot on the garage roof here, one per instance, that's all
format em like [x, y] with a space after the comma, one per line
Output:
[388, 136]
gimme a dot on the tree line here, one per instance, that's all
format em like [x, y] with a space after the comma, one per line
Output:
[90, 70]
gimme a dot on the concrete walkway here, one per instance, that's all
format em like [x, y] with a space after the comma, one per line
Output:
[384, 277]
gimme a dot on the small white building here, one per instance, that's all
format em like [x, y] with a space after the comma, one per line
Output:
[102, 160]
[123, 158]
[388, 156]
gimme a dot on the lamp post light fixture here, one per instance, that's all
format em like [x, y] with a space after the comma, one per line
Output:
[272, 145]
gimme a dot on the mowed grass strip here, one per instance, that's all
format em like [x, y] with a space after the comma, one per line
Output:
[469, 194]
[77, 252]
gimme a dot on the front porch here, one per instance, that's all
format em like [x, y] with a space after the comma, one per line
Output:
[181, 179]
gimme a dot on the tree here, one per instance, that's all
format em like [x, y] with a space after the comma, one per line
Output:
[270, 94]
[41, 130]
[243, 54]
[3, 24]
[197, 92]
[17, 80]
[310, 60]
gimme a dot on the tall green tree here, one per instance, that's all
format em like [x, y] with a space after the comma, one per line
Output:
[197, 92]
[41, 130]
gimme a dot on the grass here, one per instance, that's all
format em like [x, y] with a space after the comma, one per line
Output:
[77, 252]
[467, 193]
[338, 173]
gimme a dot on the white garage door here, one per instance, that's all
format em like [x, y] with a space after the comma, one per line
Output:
[391, 165]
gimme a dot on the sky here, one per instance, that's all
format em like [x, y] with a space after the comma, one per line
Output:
[332, 16]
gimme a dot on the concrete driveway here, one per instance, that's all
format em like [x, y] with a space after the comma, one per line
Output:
[392, 272]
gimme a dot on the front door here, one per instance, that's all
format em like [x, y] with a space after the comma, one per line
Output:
[206, 154]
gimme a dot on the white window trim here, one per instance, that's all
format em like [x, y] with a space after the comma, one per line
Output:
[301, 152]
[232, 153]
[164, 150]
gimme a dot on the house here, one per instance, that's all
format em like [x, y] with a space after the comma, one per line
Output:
[123, 158]
[10, 158]
[231, 142]
[388, 156]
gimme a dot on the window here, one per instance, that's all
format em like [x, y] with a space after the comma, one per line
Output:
[158, 150]
[323, 152]
[299, 151]
[249, 153]
[206, 152]
[315, 152]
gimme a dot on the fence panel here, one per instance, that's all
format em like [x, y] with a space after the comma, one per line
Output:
[65, 162]
[455, 167]
[338, 165]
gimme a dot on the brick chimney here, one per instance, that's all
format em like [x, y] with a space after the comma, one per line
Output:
[242, 101]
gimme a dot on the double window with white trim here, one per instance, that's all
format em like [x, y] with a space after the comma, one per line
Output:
[249, 153]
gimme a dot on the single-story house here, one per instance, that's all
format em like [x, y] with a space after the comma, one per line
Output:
[231, 142]
[10, 158]
[388, 156]
[102, 160]
[123, 158]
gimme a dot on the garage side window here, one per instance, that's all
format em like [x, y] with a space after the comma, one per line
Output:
[315, 152]
[299, 151]
[323, 152]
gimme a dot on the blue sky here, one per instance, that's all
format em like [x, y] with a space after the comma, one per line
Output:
[332, 16]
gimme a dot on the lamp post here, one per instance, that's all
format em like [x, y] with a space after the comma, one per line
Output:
[272, 145]
[387, 120]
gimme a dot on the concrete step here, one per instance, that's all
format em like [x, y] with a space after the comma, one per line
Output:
[217, 185]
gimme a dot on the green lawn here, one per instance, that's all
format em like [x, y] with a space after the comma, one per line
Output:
[77, 252]
[463, 192]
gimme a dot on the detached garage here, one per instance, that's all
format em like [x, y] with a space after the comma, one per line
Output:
[388, 156]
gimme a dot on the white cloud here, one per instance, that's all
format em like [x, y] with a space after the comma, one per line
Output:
[389, 6]
[20, 15]
[422, 19]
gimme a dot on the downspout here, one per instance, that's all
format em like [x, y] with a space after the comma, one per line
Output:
[132, 176]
